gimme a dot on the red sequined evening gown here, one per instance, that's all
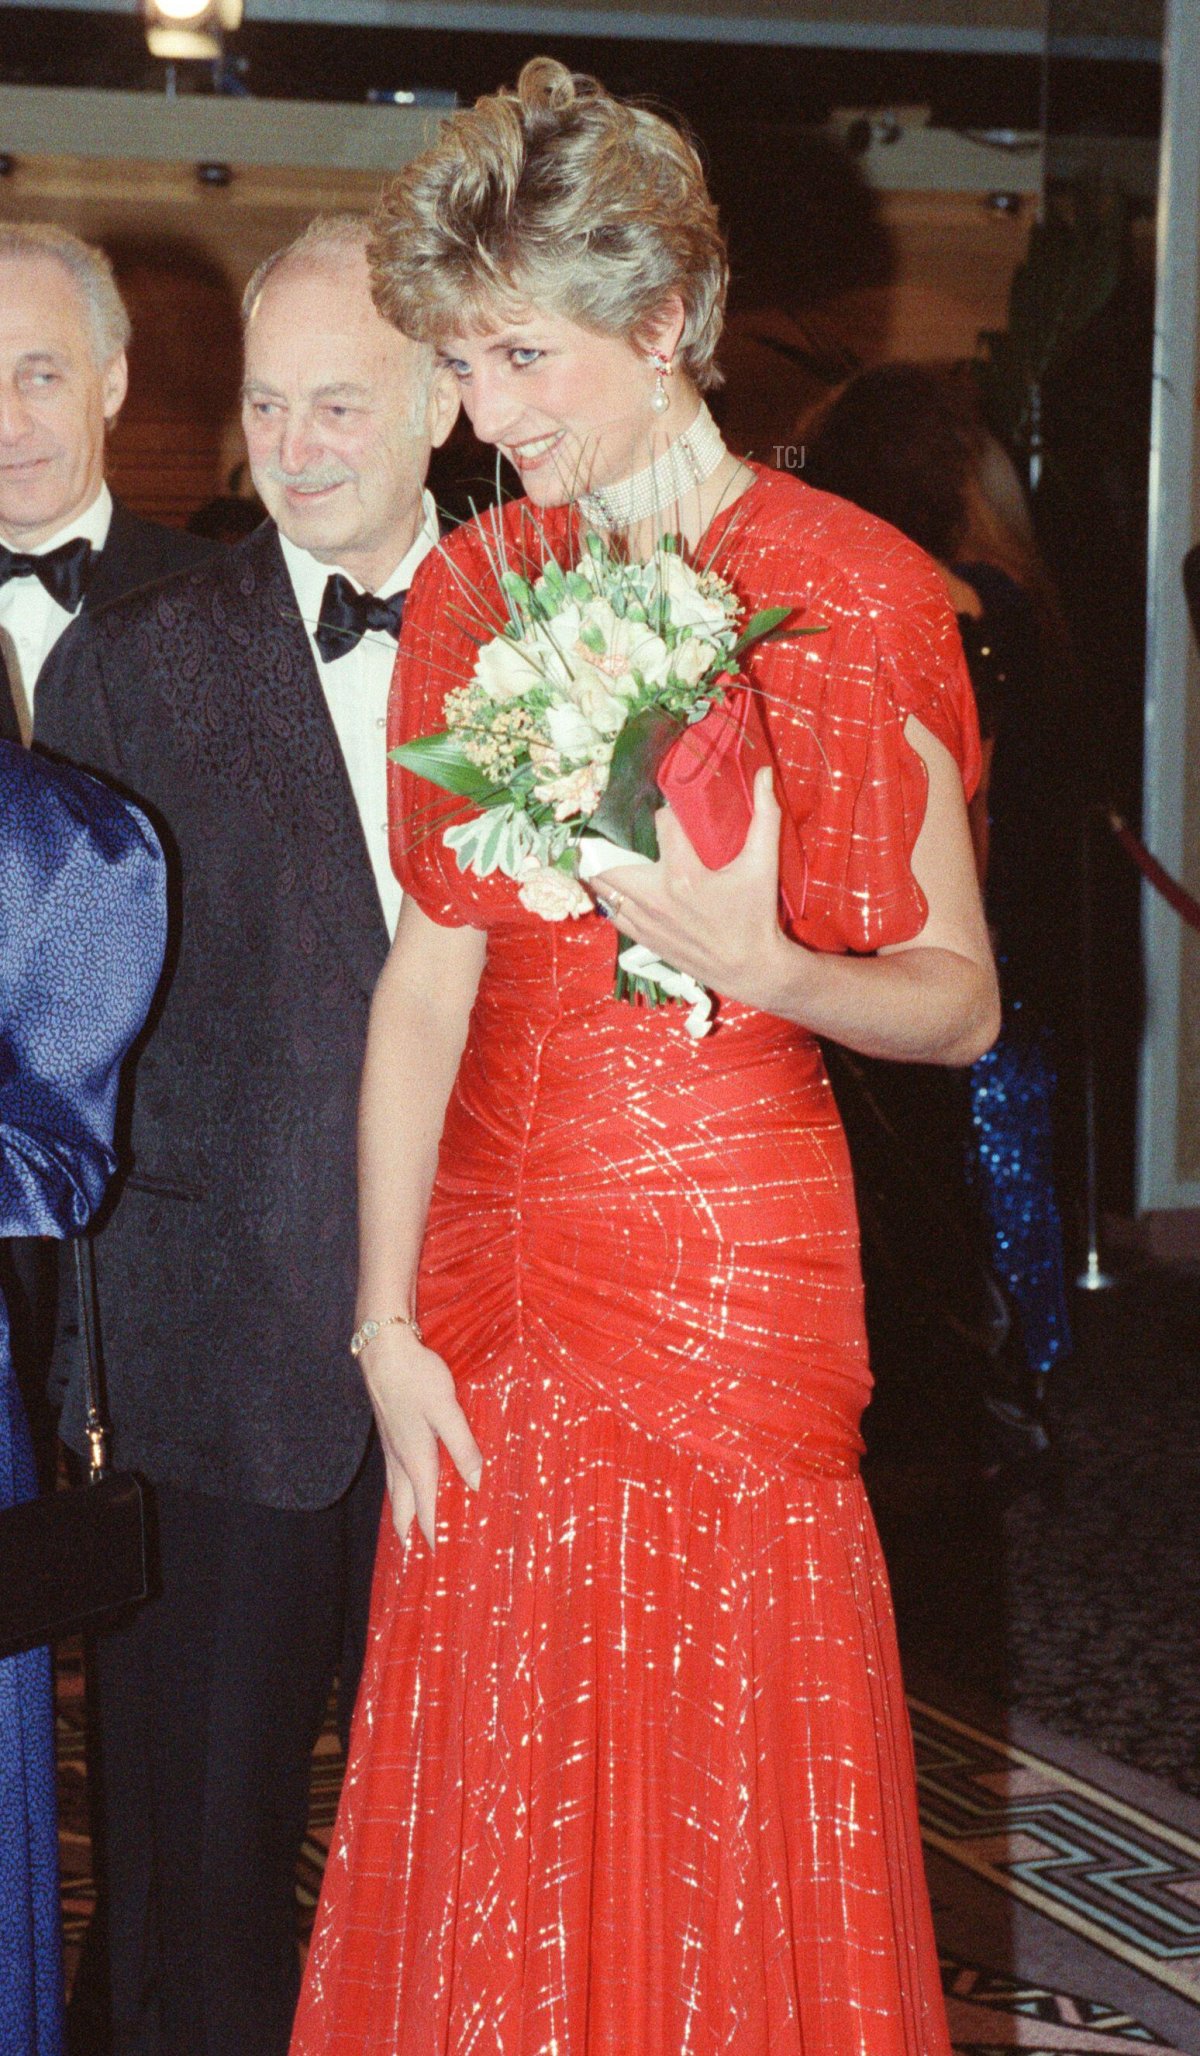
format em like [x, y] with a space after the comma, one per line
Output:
[631, 1772]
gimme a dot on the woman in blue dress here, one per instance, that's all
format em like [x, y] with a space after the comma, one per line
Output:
[82, 935]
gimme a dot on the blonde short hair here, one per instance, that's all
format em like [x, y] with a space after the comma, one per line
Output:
[556, 195]
[89, 271]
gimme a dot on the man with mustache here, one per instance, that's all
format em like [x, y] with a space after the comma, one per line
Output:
[244, 705]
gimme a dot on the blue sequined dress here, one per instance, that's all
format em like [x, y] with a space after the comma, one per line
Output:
[1012, 1087]
[82, 934]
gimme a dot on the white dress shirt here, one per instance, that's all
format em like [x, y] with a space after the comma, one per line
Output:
[356, 688]
[30, 620]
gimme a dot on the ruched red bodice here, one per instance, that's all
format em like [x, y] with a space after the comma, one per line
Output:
[631, 1773]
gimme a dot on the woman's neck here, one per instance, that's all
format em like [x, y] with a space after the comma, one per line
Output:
[688, 478]
[692, 517]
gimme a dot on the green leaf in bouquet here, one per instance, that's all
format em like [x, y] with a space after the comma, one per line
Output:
[762, 625]
[517, 590]
[632, 798]
[443, 761]
[498, 840]
[553, 582]
[493, 840]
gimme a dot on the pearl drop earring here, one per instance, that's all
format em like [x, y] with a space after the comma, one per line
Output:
[660, 399]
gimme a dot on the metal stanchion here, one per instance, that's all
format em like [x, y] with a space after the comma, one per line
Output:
[1093, 1277]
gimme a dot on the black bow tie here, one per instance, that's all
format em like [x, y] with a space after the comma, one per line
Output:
[347, 615]
[64, 572]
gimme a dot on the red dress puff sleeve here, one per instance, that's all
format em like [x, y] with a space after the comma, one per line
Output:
[445, 618]
[835, 703]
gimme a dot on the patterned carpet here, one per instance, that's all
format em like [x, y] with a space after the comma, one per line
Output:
[1074, 1596]
[1066, 1889]
[1044, 1857]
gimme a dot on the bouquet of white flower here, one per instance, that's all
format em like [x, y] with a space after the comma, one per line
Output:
[558, 735]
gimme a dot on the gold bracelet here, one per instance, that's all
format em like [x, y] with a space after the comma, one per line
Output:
[370, 1329]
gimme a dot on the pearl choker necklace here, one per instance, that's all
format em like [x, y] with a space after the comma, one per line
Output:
[684, 465]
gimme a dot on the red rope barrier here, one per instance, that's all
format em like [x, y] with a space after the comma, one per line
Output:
[1175, 894]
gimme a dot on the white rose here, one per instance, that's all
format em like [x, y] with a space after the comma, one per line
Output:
[556, 639]
[504, 669]
[551, 893]
[629, 647]
[637, 648]
[688, 606]
[693, 660]
[597, 701]
[571, 733]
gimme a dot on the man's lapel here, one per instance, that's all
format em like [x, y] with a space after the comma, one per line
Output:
[297, 760]
[10, 727]
[112, 573]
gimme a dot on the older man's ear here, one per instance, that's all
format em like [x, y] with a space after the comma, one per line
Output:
[445, 400]
[114, 386]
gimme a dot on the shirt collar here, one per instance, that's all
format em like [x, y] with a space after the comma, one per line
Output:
[93, 524]
[308, 576]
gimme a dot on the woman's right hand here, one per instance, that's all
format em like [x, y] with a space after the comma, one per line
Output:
[415, 1405]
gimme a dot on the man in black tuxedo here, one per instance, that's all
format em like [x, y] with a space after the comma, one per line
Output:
[65, 547]
[64, 543]
[244, 705]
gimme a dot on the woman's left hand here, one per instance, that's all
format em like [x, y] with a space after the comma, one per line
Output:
[720, 926]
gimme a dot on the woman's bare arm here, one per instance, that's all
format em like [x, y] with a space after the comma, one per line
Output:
[417, 1031]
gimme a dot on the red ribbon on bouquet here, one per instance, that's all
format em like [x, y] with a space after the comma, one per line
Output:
[707, 778]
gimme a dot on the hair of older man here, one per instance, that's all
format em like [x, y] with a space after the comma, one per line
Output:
[556, 195]
[333, 238]
[89, 271]
[327, 237]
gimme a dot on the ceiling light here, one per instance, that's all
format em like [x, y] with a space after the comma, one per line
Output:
[178, 29]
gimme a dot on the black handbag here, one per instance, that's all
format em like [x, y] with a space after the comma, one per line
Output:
[75, 1559]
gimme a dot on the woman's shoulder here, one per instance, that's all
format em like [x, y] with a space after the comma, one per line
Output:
[458, 581]
[879, 602]
[837, 545]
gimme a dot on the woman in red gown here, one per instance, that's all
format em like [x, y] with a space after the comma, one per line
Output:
[631, 1773]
